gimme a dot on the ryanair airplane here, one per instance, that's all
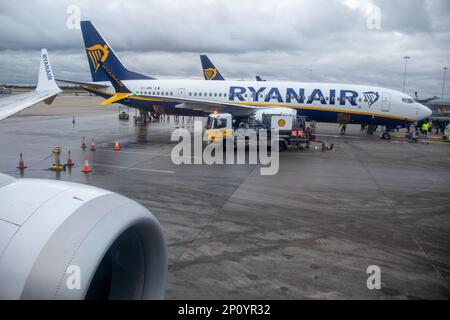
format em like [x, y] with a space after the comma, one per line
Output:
[325, 102]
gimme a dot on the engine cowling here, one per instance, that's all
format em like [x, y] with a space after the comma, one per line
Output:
[62, 240]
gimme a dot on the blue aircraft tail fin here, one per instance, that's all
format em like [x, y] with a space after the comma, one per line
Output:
[209, 70]
[98, 50]
[258, 78]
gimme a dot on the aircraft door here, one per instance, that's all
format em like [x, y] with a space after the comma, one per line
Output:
[182, 92]
[386, 102]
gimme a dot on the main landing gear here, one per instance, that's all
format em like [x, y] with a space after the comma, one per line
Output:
[386, 135]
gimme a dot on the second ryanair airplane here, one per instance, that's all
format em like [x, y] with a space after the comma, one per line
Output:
[324, 102]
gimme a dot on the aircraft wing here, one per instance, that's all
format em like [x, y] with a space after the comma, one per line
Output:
[234, 108]
[46, 90]
[81, 83]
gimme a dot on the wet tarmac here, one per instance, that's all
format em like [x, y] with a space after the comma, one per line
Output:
[310, 231]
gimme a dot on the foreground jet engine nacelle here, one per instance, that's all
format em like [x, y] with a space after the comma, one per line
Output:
[61, 240]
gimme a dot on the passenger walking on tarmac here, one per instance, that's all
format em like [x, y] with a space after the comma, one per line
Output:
[343, 128]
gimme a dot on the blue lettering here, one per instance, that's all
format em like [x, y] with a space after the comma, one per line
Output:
[352, 97]
[255, 93]
[274, 93]
[332, 96]
[292, 93]
[238, 95]
[317, 95]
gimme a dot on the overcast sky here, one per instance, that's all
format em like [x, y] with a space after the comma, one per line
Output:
[340, 40]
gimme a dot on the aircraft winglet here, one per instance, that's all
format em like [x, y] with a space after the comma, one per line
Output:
[46, 90]
[46, 80]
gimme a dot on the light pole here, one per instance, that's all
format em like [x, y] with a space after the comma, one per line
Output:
[443, 84]
[404, 75]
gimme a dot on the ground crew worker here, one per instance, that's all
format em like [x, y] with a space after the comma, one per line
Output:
[343, 128]
[425, 128]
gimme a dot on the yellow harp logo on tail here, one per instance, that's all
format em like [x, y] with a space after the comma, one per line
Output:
[97, 53]
[210, 73]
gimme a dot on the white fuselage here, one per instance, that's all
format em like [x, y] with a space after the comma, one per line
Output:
[316, 100]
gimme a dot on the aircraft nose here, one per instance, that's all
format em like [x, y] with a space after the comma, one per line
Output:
[426, 111]
[423, 112]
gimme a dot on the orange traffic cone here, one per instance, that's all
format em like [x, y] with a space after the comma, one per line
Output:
[116, 146]
[69, 161]
[92, 145]
[21, 165]
[83, 145]
[86, 167]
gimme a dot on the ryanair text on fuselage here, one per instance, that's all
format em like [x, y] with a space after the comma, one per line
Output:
[264, 94]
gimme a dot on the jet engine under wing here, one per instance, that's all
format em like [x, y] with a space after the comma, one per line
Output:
[67, 241]
[46, 90]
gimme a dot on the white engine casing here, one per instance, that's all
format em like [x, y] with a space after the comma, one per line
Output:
[47, 226]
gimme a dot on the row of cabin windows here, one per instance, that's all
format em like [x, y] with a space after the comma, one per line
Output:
[206, 94]
[156, 93]
[246, 95]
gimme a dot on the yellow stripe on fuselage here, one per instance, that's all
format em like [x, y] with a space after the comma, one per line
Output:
[260, 104]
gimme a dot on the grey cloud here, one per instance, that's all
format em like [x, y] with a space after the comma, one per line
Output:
[280, 40]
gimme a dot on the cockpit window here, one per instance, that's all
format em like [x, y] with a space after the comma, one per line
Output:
[408, 100]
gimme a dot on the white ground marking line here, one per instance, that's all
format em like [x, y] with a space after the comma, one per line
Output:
[130, 168]
[337, 136]
[72, 148]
